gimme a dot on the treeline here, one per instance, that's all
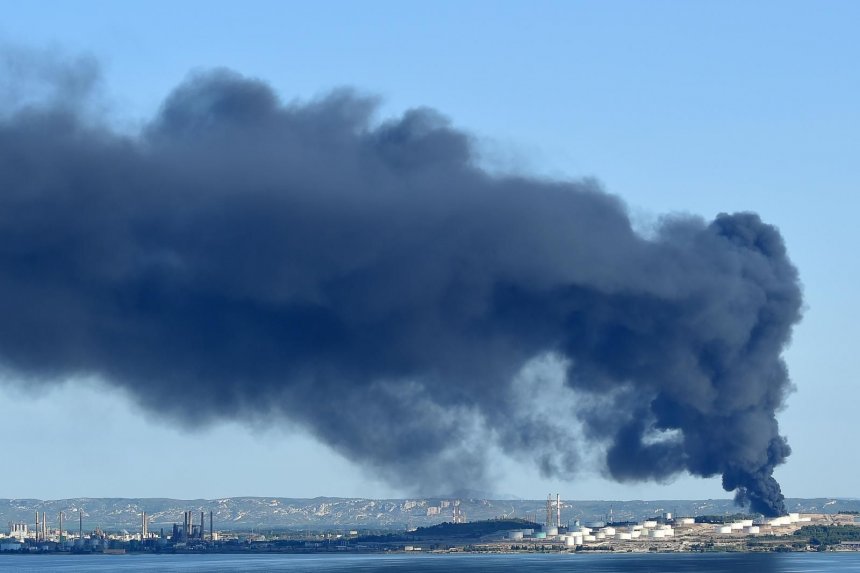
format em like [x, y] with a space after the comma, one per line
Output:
[718, 519]
[470, 530]
[826, 535]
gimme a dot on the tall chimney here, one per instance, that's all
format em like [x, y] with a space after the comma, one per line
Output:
[202, 526]
[211, 531]
[81, 525]
[558, 510]
[37, 530]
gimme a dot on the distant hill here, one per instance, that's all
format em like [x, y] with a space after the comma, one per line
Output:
[260, 513]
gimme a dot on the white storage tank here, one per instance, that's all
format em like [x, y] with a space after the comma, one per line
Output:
[516, 535]
[737, 525]
[528, 531]
[747, 522]
[601, 535]
[687, 521]
[793, 517]
[657, 533]
[724, 529]
[636, 533]
[570, 541]
[609, 531]
[585, 530]
[649, 524]
[625, 536]
[752, 529]
[589, 538]
[540, 535]
[551, 531]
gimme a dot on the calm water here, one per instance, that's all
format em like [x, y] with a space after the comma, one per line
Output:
[640, 563]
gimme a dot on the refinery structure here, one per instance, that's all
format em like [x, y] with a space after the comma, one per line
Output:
[43, 535]
[552, 527]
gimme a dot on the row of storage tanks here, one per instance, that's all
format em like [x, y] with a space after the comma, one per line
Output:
[647, 529]
[747, 525]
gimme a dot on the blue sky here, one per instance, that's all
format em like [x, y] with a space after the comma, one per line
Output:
[696, 107]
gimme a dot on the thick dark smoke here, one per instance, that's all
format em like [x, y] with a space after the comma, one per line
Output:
[242, 258]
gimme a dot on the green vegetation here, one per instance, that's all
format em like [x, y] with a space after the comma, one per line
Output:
[473, 528]
[717, 519]
[447, 530]
[823, 536]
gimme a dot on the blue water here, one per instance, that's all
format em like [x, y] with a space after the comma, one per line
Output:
[597, 563]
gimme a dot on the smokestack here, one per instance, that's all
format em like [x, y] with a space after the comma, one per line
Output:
[81, 525]
[61, 527]
[322, 268]
[211, 529]
[558, 510]
[37, 529]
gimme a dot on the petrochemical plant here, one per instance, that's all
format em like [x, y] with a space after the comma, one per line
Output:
[195, 532]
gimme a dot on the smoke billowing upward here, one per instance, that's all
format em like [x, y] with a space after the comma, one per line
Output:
[242, 258]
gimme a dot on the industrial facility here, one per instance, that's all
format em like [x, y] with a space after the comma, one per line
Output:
[560, 530]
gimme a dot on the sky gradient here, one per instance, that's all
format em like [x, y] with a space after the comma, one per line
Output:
[697, 108]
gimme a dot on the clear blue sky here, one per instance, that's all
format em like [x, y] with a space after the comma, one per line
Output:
[696, 107]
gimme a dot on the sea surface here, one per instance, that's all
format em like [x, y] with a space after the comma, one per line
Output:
[596, 563]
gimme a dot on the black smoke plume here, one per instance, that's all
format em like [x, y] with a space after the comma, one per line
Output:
[244, 258]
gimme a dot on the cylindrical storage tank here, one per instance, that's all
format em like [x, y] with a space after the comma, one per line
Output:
[595, 524]
[737, 526]
[609, 531]
[657, 533]
[687, 521]
[667, 515]
[540, 535]
[552, 530]
[668, 532]
[570, 541]
[649, 524]
[528, 531]
[589, 538]
[637, 527]
[793, 517]
[724, 529]
[747, 522]
[585, 530]
[664, 526]
[752, 529]
[625, 536]
[517, 535]
[601, 536]
[636, 533]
